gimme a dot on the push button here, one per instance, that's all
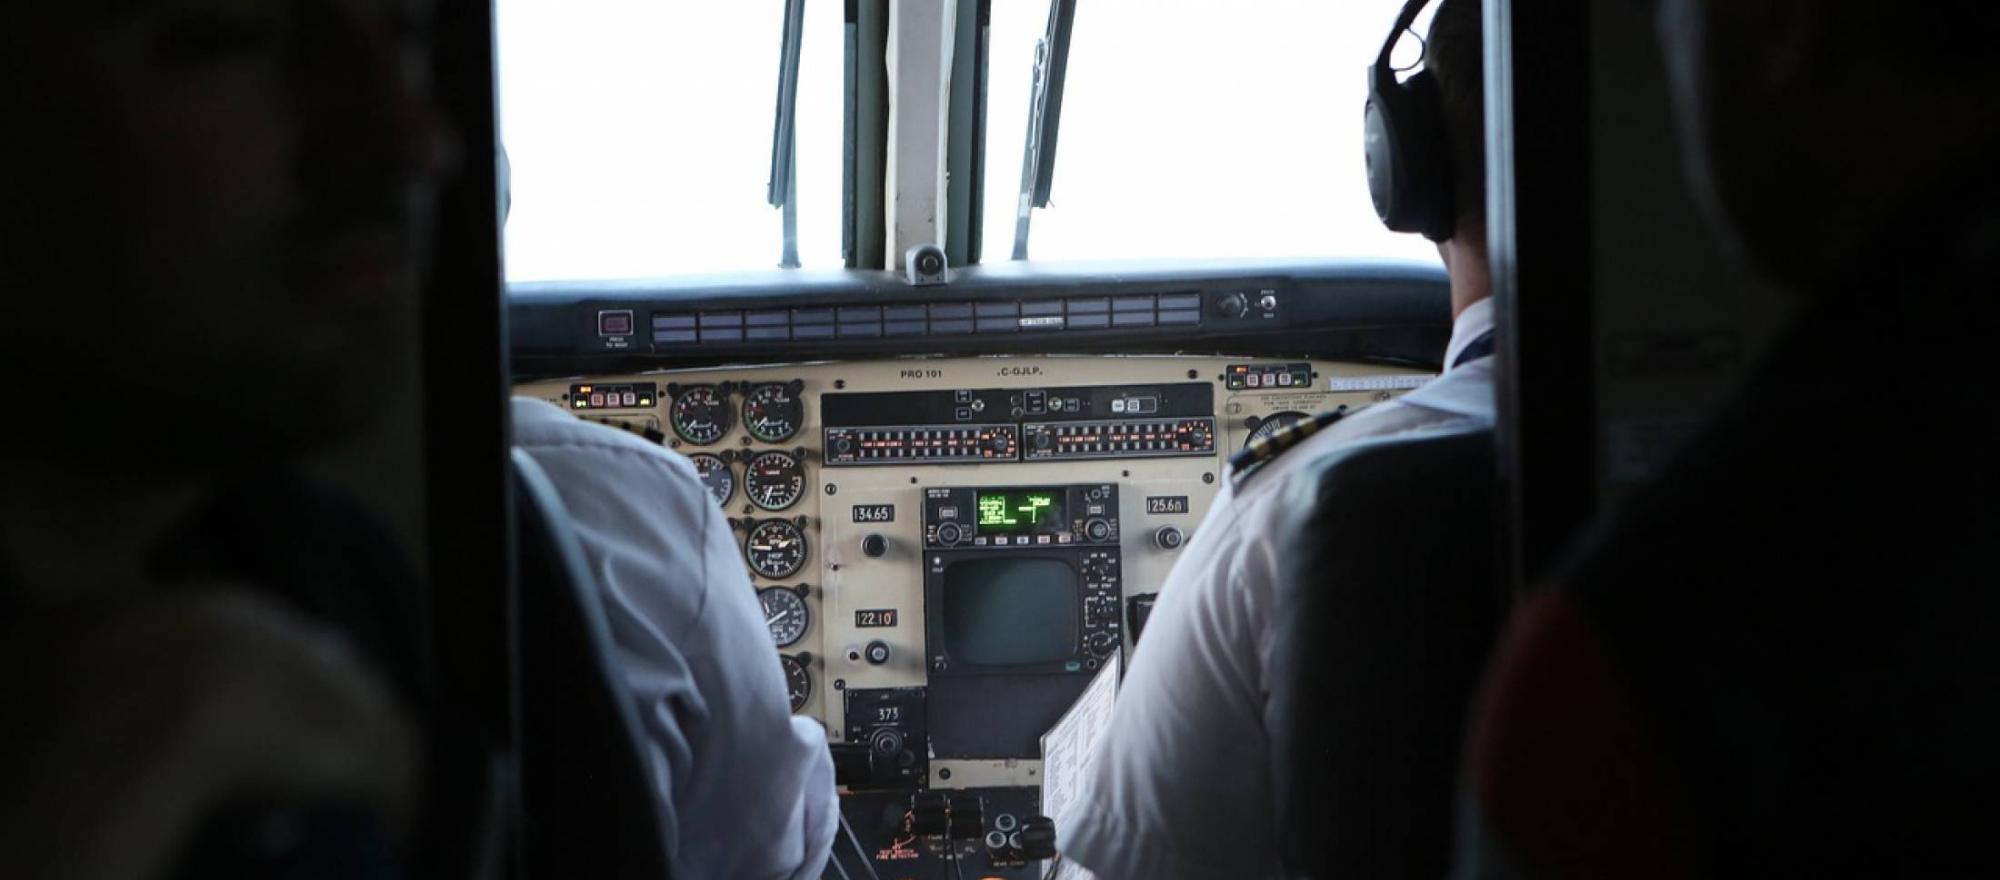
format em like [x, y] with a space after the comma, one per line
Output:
[616, 322]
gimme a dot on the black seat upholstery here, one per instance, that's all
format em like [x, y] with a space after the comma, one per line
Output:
[319, 552]
[588, 806]
[1384, 622]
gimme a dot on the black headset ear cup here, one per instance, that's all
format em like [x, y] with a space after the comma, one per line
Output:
[1409, 172]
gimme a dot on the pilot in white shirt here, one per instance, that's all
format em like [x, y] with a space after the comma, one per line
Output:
[1182, 788]
[749, 788]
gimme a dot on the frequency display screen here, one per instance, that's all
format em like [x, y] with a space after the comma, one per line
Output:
[1021, 510]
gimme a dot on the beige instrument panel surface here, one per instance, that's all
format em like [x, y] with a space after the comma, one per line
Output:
[844, 579]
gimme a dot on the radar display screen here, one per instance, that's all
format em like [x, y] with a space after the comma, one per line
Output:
[1021, 510]
[1010, 612]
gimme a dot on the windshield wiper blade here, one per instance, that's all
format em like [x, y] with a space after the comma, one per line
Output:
[1038, 156]
[783, 189]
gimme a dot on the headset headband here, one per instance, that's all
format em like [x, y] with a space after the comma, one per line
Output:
[1404, 20]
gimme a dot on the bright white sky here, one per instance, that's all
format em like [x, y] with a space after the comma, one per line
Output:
[640, 133]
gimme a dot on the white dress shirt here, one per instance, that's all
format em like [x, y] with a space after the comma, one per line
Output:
[1182, 786]
[749, 788]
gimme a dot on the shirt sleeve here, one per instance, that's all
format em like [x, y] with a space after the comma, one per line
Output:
[749, 787]
[1179, 788]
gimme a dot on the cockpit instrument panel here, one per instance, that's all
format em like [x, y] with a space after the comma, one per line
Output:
[977, 533]
[956, 505]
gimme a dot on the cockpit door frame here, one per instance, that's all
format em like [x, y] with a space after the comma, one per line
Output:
[1539, 240]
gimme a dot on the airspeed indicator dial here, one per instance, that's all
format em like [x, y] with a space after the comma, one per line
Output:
[699, 415]
[774, 480]
[785, 612]
[772, 413]
[775, 549]
[715, 476]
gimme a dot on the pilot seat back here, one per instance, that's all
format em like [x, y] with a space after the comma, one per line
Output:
[1384, 622]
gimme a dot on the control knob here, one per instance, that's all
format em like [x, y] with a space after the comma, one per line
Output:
[1101, 643]
[1038, 837]
[1235, 305]
[886, 742]
[1169, 538]
[843, 445]
[877, 652]
[1097, 529]
[949, 534]
[873, 546]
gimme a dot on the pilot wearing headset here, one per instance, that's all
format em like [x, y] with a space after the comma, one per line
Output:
[1186, 792]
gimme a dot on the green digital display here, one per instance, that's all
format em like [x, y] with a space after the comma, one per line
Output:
[1026, 510]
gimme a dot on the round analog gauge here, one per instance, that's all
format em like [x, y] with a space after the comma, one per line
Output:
[774, 480]
[798, 681]
[775, 548]
[699, 415]
[772, 413]
[785, 613]
[715, 475]
[1272, 424]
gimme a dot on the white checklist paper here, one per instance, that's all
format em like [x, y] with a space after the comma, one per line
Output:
[1070, 747]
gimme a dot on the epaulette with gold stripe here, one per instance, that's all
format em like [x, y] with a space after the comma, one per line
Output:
[1267, 448]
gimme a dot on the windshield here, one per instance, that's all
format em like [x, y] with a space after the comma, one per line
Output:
[639, 133]
[1197, 128]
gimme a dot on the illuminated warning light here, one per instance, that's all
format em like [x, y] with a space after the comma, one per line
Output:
[593, 396]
